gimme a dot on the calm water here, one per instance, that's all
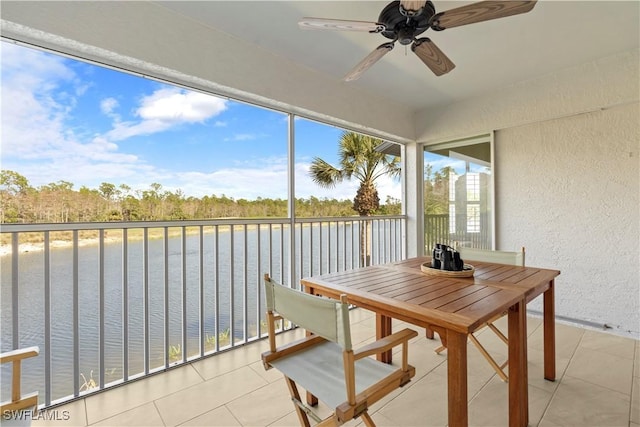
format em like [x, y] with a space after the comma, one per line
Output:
[240, 257]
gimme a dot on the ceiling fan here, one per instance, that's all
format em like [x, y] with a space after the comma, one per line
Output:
[403, 20]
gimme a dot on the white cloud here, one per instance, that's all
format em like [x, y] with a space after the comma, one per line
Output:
[242, 137]
[177, 105]
[107, 105]
[167, 108]
[82, 89]
[32, 68]
[31, 116]
[38, 95]
[128, 129]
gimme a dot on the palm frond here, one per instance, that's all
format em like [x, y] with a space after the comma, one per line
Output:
[324, 174]
[359, 159]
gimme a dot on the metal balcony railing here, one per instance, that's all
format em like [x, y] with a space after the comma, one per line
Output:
[111, 302]
[437, 229]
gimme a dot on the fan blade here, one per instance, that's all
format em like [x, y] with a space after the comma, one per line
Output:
[340, 24]
[367, 62]
[478, 12]
[432, 56]
[412, 5]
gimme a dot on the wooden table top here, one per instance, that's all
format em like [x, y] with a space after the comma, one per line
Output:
[404, 292]
[532, 280]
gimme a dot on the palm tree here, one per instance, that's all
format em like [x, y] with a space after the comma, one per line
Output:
[358, 159]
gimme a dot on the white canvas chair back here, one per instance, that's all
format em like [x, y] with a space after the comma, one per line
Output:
[321, 316]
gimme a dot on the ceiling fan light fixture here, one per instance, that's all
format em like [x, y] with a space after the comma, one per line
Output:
[405, 35]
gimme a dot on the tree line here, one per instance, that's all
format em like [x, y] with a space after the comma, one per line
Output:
[59, 202]
[436, 188]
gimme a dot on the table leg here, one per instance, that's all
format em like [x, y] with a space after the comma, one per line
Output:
[518, 381]
[549, 333]
[383, 329]
[429, 333]
[525, 359]
[457, 379]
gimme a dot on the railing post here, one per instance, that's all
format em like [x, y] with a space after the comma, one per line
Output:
[15, 304]
[76, 317]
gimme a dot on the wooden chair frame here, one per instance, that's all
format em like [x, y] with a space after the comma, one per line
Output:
[18, 401]
[357, 401]
[501, 257]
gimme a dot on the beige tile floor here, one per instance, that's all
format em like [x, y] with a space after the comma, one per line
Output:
[598, 385]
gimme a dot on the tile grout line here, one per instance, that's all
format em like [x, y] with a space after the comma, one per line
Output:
[128, 410]
[248, 393]
[86, 412]
[197, 372]
[234, 415]
[559, 379]
[600, 385]
[164, 423]
[138, 380]
[217, 407]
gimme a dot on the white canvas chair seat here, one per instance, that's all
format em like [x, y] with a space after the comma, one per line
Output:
[320, 368]
[324, 362]
[498, 257]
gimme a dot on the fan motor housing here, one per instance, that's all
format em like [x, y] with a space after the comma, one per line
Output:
[403, 27]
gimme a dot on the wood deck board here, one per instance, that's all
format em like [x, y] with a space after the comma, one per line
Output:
[420, 288]
[459, 304]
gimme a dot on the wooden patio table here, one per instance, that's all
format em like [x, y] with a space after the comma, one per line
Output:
[534, 281]
[453, 307]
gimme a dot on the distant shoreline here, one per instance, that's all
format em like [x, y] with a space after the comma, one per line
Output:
[23, 248]
[67, 242]
[38, 246]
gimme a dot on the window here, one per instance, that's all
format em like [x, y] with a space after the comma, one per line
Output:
[473, 219]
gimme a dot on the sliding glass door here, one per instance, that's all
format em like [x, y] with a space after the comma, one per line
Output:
[458, 193]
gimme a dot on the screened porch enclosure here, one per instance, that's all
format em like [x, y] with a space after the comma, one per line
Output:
[559, 176]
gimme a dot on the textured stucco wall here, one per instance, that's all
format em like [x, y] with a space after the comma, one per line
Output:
[568, 189]
[567, 176]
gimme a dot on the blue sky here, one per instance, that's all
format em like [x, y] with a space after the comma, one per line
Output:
[69, 120]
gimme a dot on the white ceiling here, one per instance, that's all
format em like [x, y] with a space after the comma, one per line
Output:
[488, 55]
